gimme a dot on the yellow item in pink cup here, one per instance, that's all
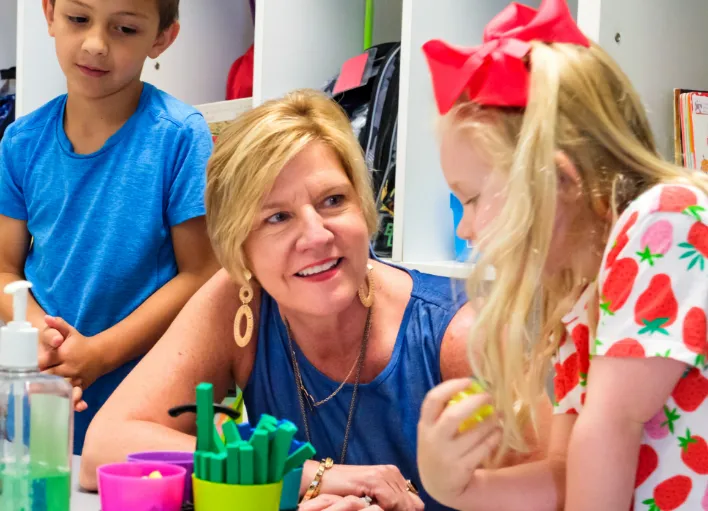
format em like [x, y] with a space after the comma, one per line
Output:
[482, 413]
[153, 475]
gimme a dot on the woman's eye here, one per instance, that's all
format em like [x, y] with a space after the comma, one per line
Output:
[277, 218]
[77, 19]
[334, 200]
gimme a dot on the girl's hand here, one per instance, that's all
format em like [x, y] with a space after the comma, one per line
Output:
[336, 503]
[448, 459]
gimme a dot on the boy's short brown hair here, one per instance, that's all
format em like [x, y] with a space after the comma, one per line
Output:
[169, 12]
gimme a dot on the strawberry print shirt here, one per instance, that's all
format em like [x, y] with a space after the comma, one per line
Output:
[653, 292]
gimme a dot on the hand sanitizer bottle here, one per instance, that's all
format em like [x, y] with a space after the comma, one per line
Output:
[36, 420]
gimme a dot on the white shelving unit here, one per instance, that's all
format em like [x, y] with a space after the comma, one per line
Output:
[8, 33]
[302, 43]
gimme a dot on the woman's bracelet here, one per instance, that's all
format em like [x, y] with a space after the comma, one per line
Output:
[316, 484]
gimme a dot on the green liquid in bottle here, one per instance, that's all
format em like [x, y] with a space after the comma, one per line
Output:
[40, 489]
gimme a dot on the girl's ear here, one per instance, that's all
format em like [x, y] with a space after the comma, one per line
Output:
[570, 186]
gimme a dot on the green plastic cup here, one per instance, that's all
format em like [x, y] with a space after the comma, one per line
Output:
[210, 496]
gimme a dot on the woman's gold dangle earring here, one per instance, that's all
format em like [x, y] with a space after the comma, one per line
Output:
[245, 294]
[367, 299]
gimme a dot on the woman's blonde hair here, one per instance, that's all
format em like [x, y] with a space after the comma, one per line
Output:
[253, 150]
[580, 103]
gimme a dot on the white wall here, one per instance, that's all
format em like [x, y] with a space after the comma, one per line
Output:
[660, 49]
[214, 34]
[8, 33]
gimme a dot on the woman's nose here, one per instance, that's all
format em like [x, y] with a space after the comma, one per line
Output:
[314, 233]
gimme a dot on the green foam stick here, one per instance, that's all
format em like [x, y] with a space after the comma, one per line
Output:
[217, 465]
[259, 442]
[205, 465]
[279, 451]
[299, 457]
[217, 443]
[245, 462]
[197, 467]
[231, 433]
[233, 475]
[271, 429]
[266, 419]
[205, 416]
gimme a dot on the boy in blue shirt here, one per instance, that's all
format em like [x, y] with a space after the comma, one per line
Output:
[101, 199]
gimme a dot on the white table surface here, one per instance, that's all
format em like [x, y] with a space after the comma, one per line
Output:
[80, 500]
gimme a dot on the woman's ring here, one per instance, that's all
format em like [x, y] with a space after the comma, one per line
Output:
[411, 487]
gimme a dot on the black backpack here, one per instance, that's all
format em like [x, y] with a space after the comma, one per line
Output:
[373, 110]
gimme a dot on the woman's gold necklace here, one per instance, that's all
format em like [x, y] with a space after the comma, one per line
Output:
[303, 393]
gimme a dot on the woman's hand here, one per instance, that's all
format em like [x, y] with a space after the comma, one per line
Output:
[336, 503]
[447, 459]
[383, 484]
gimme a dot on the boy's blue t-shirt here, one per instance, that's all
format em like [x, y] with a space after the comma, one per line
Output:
[101, 222]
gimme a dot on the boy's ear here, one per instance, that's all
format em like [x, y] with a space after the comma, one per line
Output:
[164, 40]
[48, 8]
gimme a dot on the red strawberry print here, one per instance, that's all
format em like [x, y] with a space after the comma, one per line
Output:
[696, 246]
[662, 423]
[564, 337]
[694, 333]
[656, 307]
[670, 494]
[648, 461]
[694, 452]
[691, 390]
[679, 199]
[626, 348]
[621, 241]
[567, 377]
[581, 339]
[656, 241]
[618, 285]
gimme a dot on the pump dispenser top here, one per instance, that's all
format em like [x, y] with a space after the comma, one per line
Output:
[19, 339]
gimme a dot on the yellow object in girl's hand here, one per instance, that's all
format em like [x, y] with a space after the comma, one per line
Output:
[482, 412]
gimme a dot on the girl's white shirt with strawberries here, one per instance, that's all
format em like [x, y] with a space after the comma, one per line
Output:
[653, 290]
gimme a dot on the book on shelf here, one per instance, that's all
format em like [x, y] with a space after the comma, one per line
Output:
[691, 128]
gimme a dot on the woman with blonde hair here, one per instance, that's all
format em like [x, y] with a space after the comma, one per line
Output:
[342, 345]
[598, 247]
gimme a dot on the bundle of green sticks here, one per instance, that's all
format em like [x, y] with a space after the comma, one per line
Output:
[245, 456]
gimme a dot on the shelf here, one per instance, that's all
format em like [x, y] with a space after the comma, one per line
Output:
[223, 111]
[452, 269]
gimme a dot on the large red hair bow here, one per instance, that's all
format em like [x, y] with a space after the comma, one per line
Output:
[495, 73]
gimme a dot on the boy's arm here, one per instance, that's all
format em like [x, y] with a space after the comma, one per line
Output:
[623, 394]
[136, 334]
[14, 245]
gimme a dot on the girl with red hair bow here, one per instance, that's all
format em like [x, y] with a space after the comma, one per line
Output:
[599, 249]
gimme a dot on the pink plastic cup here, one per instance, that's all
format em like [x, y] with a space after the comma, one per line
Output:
[179, 458]
[121, 487]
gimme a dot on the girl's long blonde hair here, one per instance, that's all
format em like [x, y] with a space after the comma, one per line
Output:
[580, 103]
